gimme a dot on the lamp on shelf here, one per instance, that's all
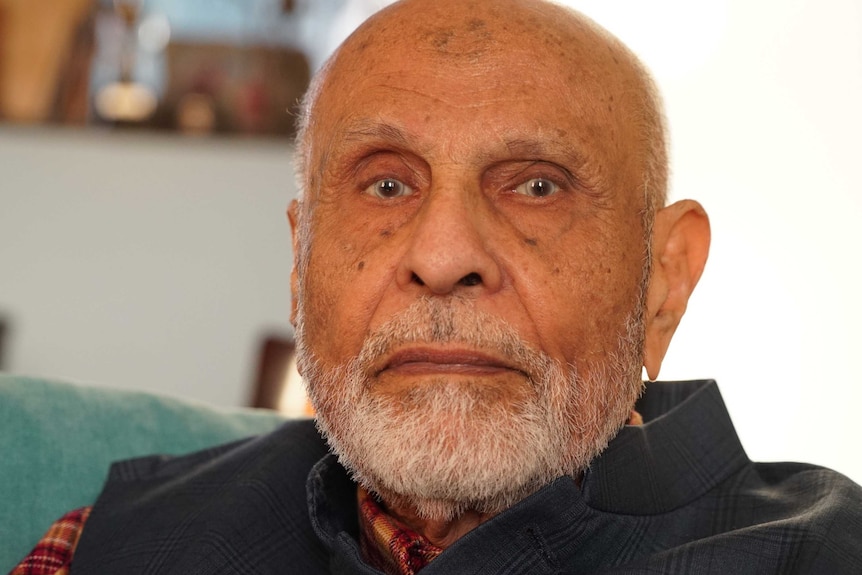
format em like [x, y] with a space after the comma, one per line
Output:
[126, 100]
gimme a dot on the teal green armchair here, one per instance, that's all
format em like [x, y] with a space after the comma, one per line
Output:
[58, 439]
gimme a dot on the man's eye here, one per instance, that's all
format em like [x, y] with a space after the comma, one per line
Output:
[537, 188]
[389, 188]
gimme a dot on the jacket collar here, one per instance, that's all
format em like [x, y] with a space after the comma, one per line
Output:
[686, 446]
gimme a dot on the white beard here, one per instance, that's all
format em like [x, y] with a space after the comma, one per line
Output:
[449, 446]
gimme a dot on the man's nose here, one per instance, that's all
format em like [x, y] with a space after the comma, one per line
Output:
[449, 250]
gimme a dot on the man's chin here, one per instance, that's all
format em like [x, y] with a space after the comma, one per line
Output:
[449, 446]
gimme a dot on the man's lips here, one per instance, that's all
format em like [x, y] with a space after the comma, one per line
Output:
[464, 361]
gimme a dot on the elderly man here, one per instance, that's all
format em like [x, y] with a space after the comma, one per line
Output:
[484, 264]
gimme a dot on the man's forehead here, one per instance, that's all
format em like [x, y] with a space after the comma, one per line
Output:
[479, 51]
[385, 61]
[465, 30]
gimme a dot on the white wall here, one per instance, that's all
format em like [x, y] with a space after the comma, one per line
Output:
[143, 261]
[160, 271]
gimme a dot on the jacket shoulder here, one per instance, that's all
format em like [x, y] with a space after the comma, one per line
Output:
[297, 440]
[235, 508]
[827, 515]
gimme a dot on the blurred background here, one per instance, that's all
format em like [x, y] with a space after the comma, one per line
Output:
[145, 168]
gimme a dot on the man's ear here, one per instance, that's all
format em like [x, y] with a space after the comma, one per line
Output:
[294, 234]
[680, 246]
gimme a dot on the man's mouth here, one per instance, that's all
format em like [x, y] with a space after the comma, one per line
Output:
[429, 361]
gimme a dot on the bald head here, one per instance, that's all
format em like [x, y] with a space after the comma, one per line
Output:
[605, 80]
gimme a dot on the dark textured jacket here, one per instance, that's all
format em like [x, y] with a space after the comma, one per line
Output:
[676, 495]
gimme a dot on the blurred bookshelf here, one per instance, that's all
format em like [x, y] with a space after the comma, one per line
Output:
[184, 66]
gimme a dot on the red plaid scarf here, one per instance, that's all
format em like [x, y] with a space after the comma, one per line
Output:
[53, 554]
[388, 544]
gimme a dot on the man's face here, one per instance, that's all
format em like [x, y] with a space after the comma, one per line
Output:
[474, 250]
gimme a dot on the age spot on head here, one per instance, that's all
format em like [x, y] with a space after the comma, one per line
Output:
[531, 241]
[441, 38]
[360, 266]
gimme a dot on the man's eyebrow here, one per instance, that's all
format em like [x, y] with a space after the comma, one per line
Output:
[552, 149]
[523, 147]
[380, 131]
[544, 148]
[539, 147]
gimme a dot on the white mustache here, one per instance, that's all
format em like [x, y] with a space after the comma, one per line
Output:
[451, 321]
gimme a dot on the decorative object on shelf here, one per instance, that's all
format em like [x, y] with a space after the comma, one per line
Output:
[277, 383]
[124, 99]
[35, 45]
[240, 89]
